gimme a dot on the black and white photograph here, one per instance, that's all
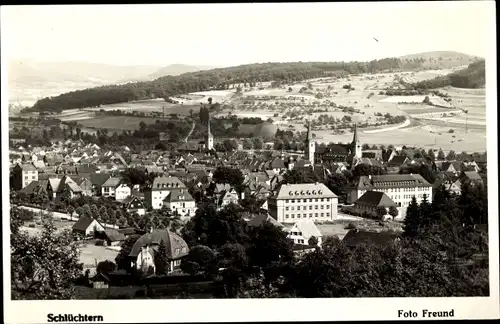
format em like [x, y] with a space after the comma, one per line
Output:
[312, 156]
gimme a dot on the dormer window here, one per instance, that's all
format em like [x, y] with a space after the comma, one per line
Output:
[314, 192]
[290, 193]
[308, 192]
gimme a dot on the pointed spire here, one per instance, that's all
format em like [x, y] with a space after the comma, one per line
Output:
[309, 133]
[208, 130]
[355, 138]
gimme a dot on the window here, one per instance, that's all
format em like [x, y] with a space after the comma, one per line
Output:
[304, 200]
[286, 208]
[322, 199]
[310, 207]
[177, 251]
[304, 215]
[327, 214]
[298, 207]
[309, 200]
[327, 199]
[316, 207]
[292, 207]
[316, 215]
[287, 201]
[293, 200]
[286, 216]
[316, 200]
[26, 178]
[310, 215]
[322, 214]
[33, 177]
[322, 206]
[293, 215]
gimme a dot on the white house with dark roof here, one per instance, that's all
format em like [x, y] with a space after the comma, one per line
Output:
[160, 189]
[303, 230]
[306, 200]
[87, 226]
[24, 173]
[134, 204]
[56, 186]
[180, 202]
[400, 188]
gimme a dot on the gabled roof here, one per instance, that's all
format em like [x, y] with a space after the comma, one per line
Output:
[307, 227]
[83, 223]
[392, 181]
[114, 236]
[473, 175]
[398, 160]
[33, 185]
[27, 166]
[178, 195]
[167, 182]
[99, 179]
[173, 242]
[305, 190]
[375, 199]
[111, 182]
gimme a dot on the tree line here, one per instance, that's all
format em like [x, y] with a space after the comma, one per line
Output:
[474, 76]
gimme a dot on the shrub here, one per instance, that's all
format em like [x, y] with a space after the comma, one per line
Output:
[31, 225]
[99, 242]
[351, 226]
[451, 131]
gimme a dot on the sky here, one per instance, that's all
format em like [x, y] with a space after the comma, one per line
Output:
[232, 34]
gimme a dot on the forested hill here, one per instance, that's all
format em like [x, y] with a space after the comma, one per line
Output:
[221, 78]
[473, 77]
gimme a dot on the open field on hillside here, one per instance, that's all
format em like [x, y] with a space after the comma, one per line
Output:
[116, 122]
[91, 255]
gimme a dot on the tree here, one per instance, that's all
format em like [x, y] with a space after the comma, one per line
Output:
[381, 211]
[269, 244]
[200, 259]
[106, 267]
[313, 241]
[232, 176]
[393, 211]
[366, 170]
[43, 266]
[257, 143]
[451, 155]
[70, 210]
[65, 195]
[430, 155]
[247, 144]
[330, 242]
[161, 262]
[441, 156]
[233, 255]
[337, 183]
[122, 259]
[412, 222]
[300, 176]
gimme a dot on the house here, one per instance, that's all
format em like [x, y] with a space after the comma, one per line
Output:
[356, 237]
[399, 187]
[371, 200]
[143, 252]
[100, 281]
[473, 177]
[113, 237]
[113, 187]
[303, 230]
[133, 204]
[98, 179]
[180, 202]
[86, 185]
[56, 186]
[227, 197]
[23, 175]
[455, 167]
[305, 200]
[160, 189]
[398, 161]
[87, 226]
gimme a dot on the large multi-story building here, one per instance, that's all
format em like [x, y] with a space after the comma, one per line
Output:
[160, 189]
[306, 200]
[399, 187]
[23, 175]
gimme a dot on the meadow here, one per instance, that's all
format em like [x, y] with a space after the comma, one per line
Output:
[118, 123]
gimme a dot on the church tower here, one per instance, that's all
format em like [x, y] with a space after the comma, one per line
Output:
[310, 145]
[209, 142]
[356, 144]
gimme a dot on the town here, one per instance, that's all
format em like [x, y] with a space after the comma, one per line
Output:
[176, 221]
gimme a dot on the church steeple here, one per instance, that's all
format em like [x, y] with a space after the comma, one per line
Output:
[210, 138]
[310, 145]
[356, 144]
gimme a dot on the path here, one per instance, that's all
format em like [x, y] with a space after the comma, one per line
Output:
[406, 123]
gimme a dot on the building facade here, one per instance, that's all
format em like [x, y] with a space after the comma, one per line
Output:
[23, 175]
[160, 189]
[300, 201]
[400, 188]
[180, 202]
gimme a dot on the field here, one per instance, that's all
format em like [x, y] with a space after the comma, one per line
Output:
[91, 255]
[118, 123]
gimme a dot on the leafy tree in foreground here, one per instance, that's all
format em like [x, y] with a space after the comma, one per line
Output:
[122, 260]
[393, 211]
[43, 266]
[200, 259]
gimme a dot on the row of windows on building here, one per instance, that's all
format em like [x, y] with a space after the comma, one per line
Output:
[310, 207]
[399, 189]
[306, 200]
[305, 215]
[32, 177]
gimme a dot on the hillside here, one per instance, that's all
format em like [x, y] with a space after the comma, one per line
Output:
[219, 79]
[439, 59]
[178, 69]
[474, 76]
